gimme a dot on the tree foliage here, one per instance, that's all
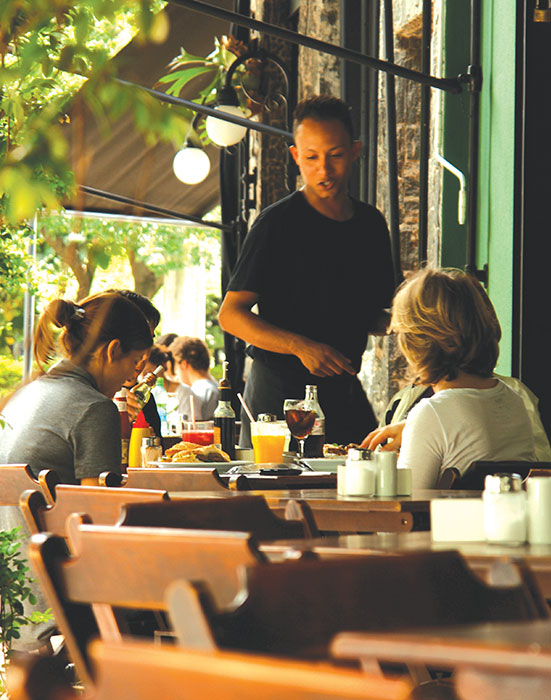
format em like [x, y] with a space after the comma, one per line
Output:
[83, 245]
[49, 49]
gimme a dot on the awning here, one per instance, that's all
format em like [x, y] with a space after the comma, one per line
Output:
[122, 163]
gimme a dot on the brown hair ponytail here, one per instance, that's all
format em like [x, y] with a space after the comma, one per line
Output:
[86, 326]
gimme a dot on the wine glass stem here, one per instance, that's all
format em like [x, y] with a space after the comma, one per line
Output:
[301, 448]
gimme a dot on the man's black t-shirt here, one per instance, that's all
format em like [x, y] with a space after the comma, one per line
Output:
[327, 280]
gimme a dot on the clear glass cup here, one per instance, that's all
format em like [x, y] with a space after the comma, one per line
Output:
[269, 440]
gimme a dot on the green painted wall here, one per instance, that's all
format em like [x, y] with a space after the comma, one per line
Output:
[496, 167]
[497, 148]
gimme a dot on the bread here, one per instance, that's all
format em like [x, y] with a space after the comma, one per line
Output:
[181, 447]
[333, 450]
[199, 453]
[211, 453]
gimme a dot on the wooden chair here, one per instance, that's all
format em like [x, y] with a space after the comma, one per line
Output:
[16, 478]
[192, 479]
[130, 567]
[473, 477]
[295, 608]
[243, 513]
[102, 505]
[134, 670]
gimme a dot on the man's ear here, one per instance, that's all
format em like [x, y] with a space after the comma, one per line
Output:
[356, 149]
[114, 350]
[293, 151]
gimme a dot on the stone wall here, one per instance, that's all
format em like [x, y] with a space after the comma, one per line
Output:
[383, 370]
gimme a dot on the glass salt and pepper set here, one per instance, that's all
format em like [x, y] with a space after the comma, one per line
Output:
[513, 516]
[367, 473]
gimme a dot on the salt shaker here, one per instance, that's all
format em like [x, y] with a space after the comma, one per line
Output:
[504, 509]
[385, 473]
[152, 450]
[356, 477]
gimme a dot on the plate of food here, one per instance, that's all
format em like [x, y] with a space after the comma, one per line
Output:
[192, 453]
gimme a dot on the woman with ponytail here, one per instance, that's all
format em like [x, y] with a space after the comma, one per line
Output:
[65, 419]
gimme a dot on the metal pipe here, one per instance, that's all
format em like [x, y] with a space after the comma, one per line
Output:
[365, 94]
[453, 85]
[152, 207]
[203, 109]
[392, 157]
[425, 134]
[475, 71]
[373, 113]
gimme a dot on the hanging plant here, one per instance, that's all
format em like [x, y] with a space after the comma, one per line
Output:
[203, 77]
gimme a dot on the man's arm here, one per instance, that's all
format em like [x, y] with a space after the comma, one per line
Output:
[236, 318]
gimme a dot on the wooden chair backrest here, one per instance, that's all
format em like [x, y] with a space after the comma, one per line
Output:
[538, 472]
[246, 513]
[182, 479]
[473, 477]
[295, 608]
[139, 671]
[101, 504]
[17, 478]
[130, 567]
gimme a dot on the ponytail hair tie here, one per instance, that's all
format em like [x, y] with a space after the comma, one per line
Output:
[78, 313]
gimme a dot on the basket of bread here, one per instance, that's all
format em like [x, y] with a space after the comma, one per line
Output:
[190, 452]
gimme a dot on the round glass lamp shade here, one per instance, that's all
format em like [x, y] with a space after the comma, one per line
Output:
[225, 133]
[191, 165]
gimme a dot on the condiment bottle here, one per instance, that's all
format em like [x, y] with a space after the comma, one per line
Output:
[358, 476]
[140, 430]
[385, 473]
[504, 509]
[126, 427]
[142, 390]
[152, 450]
[224, 416]
[313, 446]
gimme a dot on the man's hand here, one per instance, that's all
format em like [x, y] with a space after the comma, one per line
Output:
[379, 435]
[322, 360]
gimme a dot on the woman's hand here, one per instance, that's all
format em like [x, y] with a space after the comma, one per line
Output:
[392, 433]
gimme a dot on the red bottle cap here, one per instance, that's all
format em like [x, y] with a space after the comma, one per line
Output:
[140, 421]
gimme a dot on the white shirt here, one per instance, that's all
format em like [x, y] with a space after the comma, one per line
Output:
[456, 427]
[206, 391]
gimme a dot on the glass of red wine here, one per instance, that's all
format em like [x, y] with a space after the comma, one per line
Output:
[300, 420]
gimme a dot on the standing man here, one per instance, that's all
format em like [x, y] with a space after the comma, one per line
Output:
[318, 265]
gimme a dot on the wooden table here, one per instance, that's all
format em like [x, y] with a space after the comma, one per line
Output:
[342, 514]
[479, 555]
[501, 660]
[354, 513]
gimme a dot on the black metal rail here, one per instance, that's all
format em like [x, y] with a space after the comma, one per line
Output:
[453, 85]
[154, 208]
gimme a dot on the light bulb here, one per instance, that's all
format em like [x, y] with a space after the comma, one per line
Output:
[191, 165]
[225, 133]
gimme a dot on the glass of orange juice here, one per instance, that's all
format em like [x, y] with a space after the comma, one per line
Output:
[268, 437]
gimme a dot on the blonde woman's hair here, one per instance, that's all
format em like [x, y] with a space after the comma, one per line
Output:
[445, 324]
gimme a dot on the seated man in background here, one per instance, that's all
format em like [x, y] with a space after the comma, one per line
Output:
[449, 333]
[192, 360]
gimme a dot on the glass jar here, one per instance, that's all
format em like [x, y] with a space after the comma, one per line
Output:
[357, 476]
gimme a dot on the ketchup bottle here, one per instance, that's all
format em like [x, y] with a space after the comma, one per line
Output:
[126, 428]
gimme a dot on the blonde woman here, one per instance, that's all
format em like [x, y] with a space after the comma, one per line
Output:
[449, 334]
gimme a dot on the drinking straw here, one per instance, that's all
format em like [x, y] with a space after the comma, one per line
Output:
[247, 411]
[192, 403]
